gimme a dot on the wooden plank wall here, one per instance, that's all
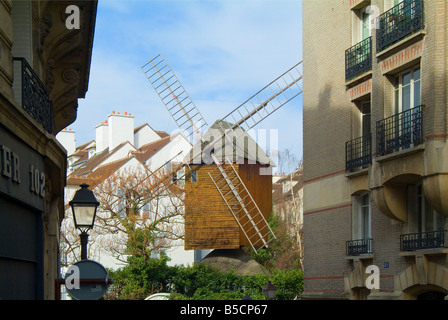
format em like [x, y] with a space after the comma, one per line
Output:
[209, 224]
[260, 187]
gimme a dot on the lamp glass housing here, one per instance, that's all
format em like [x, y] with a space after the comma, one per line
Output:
[84, 215]
[84, 205]
[270, 291]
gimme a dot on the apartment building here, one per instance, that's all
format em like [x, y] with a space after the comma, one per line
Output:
[375, 149]
[44, 70]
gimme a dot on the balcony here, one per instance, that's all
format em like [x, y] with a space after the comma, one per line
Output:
[32, 95]
[398, 23]
[358, 152]
[400, 131]
[360, 246]
[423, 240]
[358, 59]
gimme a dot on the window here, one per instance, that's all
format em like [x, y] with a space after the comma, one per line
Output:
[358, 58]
[167, 166]
[362, 216]
[147, 210]
[422, 217]
[406, 126]
[407, 90]
[179, 177]
[365, 24]
[358, 151]
[194, 177]
[388, 4]
[365, 118]
[428, 219]
[425, 225]
[22, 30]
[361, 228]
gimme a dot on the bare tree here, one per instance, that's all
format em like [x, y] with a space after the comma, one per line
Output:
[289, 202]
[140, 213]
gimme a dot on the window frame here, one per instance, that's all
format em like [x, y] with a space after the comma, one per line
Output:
[363, 24]
[362, 219]
[194, 176]
[426, 215]
[398, 89]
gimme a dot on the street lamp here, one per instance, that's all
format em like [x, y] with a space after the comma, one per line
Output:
[269, 291]
[84, 205]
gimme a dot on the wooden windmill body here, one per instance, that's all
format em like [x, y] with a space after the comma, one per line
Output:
[209, 223]
[228, 194]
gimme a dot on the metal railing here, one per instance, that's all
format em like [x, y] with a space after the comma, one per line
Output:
[358, 152]
[32, 95]
[423, 240]
[358, 59]
[399, 22]
[400, 131]
[359, 246]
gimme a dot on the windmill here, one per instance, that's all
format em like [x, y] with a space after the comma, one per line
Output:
[225, 178]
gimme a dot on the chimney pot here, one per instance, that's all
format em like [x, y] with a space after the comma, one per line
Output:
[121, 129]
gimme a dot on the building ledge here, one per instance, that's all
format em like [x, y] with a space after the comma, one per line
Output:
[324, 296]
[356, 173]
[364, 256]
[358, 79]
[400, 44]
[358, 4]
[400, 153]
[421, 252]
[385, 296]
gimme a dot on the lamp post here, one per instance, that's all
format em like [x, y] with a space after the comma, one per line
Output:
[270, 291]
[84, 205]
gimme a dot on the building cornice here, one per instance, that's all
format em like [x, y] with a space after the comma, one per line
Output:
[65, 56]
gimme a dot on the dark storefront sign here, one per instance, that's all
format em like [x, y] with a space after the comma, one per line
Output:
[22, 203]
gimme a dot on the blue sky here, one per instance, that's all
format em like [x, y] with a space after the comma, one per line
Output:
[222, 51]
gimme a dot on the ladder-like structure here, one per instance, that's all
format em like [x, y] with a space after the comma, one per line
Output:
[242, 206]
[265, 102]
[190, 121]
[174, 97]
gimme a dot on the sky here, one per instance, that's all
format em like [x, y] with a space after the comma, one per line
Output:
[222, 51]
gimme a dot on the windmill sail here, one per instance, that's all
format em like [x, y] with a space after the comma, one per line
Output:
[266, 101]
[189, 120]
[174, 97]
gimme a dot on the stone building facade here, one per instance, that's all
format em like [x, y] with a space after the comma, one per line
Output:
[375, 149]
[44, 70]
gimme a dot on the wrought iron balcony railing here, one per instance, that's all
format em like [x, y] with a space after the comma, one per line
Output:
[360, 246]
[423, 240]
[32, 94]
[399, 22]
[358, 152]
[400, 131]
[358, 59]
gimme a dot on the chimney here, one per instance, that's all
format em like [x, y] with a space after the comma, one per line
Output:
[102, 136]
[121, 129]
[67, 139]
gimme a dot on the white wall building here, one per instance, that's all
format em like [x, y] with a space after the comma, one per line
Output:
[119, 146]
